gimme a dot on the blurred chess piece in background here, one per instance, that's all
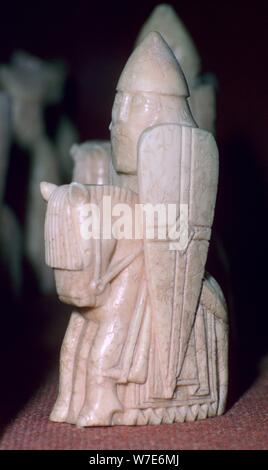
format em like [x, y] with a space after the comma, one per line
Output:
[33, 85]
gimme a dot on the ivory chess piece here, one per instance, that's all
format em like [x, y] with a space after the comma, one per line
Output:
[202, 98]
[33, 85]
[147, 340]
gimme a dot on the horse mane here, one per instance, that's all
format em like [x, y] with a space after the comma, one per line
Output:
[62, 237]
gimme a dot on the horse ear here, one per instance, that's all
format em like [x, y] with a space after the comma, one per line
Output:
[47, 189]
[78, 194]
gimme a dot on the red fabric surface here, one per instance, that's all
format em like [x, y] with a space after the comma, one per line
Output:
[244, 426]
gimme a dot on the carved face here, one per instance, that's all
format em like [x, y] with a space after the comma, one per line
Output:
[132, 114]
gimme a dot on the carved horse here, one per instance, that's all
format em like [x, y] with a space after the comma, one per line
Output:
[108, 368]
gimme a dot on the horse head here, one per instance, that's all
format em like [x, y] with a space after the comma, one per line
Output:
[84, 266]
[78, 261]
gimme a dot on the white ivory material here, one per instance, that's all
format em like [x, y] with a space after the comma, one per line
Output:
[43, 165]
[202, 99]
[203, 95]
[147, 340]
[92, 162]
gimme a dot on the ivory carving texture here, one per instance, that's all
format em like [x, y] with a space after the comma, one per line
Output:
[202, 99]
[147, 341]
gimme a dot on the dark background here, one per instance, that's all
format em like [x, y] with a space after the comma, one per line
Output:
[95, 40]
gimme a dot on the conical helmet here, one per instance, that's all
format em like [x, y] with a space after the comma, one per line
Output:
[153, 68]
[164, 20]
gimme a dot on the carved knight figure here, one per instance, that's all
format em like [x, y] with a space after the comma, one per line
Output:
[147, 339]
[202, 87]
[202, 98]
